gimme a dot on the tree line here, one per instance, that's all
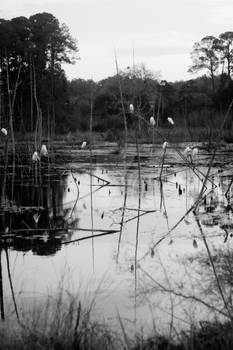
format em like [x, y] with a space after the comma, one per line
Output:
[35, 94]
[32, 82]
[215, 55]
[190, 103]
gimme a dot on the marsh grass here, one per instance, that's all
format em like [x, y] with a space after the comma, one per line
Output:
[205, 336]
[64, 324]
[58, 323]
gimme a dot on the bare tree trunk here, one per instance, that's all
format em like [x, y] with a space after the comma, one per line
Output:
[9, 91]
[0, 91]
[38, 114]
[122, 105]
[1, 289]
[31, 93]
[212, 78]
[11, 102]
[53, 124]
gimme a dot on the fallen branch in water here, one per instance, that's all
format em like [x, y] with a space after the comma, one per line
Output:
[110, 232]
[13, 232]
[143, 212]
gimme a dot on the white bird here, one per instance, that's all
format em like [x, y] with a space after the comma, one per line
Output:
[44, 151]
[165, 144]
[35, 157]
[36, 217]
[188, 151]
[131, 108]
[171, 121]
[195, 152]
[4, 131]
[83, 144]
[152, 121]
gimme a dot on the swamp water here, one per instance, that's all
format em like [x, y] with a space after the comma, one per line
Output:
[113, 231]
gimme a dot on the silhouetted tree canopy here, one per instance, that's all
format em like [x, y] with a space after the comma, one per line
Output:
[32, 51]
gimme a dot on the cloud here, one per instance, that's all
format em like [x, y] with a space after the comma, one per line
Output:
[161, 31]
[154, 51]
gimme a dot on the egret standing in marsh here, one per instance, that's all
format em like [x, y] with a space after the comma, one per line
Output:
[35, 157]
[131, 108]
[152, 121]
[191, 153]
[164, 147]
[171, 121]
[195, 153]
[188, 152]
[4, 131]
[44, 151]
[83, 145]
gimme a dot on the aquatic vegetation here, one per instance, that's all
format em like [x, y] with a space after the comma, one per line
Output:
[46, 231]
[141, 216]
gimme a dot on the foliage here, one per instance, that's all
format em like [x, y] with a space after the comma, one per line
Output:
[34, 49]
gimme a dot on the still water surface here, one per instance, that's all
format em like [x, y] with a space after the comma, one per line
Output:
[148, 260]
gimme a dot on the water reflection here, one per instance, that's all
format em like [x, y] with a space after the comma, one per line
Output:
[155, 231]
[35, 217]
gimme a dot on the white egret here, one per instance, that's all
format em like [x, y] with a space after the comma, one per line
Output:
[44, 151]
[165, 144]
[188, 151]
[195, 152]
[35, 157]
[4, 131]
[83, 144]
[131, 108]
[152, 121]
[171, 121]
[36, 217]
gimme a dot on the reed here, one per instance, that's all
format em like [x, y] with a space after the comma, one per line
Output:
[58, 323]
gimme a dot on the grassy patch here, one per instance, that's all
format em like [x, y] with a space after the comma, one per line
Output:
[64, 324]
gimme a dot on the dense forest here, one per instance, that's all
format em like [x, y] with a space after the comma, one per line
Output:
[36, 95]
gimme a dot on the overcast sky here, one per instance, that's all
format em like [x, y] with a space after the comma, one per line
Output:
[161, 32]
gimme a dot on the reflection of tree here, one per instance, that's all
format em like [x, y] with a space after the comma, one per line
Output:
[34, 218]
[38, 245]
[48, 247]
[1, 289]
